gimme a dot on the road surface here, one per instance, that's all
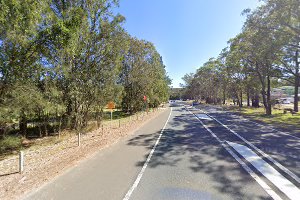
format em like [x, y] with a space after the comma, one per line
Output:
[191, 153]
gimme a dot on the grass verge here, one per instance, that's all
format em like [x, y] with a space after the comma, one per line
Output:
[277, 118]
[10, 143]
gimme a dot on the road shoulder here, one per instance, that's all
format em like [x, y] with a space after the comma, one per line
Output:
[42, 166]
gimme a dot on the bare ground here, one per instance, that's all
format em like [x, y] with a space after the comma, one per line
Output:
[43, 163]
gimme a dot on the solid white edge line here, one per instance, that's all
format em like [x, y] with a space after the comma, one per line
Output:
[139, 177]
[280, 166]
[282, 183]
[262, 183]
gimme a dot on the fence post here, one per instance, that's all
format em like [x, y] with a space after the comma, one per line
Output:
[119, 123]
[21, 162]
[79, 138]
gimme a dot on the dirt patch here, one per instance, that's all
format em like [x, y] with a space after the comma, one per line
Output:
[43, 163]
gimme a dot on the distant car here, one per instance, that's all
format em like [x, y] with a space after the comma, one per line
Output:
[195, 103]
[286, 101]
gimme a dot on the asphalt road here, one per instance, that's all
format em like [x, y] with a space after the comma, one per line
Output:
[282, 146]
[187, 153]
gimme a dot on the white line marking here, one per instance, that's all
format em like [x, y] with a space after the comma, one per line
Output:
[268, 171]
[138, 179]
[291, 174]
[203, 116]
[263, 184]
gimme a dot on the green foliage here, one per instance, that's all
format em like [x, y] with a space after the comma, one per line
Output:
[60, 61]
[265, 53]
[143, 74]
[177, 93]
[10, 143]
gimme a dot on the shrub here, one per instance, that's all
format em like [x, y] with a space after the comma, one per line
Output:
[10, 143]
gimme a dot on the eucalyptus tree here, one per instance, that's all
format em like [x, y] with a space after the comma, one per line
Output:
[66, 59]
[160, 91]
[241, 74]
[191, 87]
[260, 51]
[207, 82]
[276, 27]
[20, 54]
[225, 72]
[284, 17]
[143, 74]
[85, 49]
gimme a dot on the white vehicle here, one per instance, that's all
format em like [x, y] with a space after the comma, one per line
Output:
[287, 100]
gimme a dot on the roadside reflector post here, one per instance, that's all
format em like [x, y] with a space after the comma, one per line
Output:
[21, 162]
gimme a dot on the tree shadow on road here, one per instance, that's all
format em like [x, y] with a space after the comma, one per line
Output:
[186, 141]
[283, 148]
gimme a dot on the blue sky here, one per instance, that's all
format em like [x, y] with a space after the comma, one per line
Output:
[185, 32]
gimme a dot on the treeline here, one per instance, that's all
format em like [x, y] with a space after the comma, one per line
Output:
[64, 60]
[265, 54]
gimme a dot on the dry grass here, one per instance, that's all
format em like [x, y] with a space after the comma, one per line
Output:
[51, 156]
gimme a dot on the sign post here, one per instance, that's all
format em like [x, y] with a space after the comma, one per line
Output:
[111, 105]
[111, 112]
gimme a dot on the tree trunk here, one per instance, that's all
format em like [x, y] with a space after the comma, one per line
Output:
[23, 123]
[67, 116]
[263, 93]
[224, 97]
[39, 124]
[248, 98]
[238, 101]
[296, 98]
[241, 99]
[269, 104]
[40, 129]
[46, 125]
[297, 82]
[59, 126]
[255, 101]
[263, 89]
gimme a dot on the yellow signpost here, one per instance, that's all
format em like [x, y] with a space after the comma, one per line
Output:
[111, 105]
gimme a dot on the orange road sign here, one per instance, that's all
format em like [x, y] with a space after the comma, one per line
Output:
[111, 105]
